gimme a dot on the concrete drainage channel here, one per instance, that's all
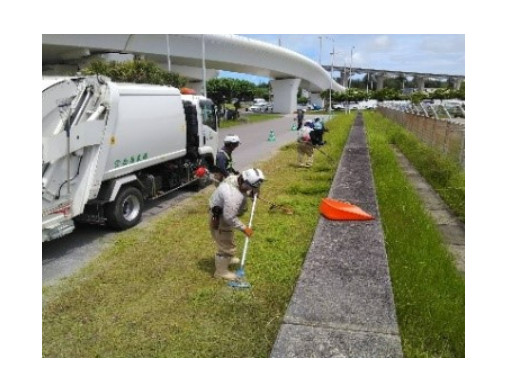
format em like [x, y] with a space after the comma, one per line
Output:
[343, 303]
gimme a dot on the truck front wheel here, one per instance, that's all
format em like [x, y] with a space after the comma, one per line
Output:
[126, 210]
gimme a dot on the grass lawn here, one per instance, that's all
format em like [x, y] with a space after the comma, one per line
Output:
[248, 118]
[152, 293]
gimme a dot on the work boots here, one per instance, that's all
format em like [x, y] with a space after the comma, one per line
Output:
[222, 271]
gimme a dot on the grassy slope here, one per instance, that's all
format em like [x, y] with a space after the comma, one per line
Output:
[441, 172]
[429, 293]
[152, 293]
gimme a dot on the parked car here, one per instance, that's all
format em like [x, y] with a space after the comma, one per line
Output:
[338, 106]
[261, 108]
[259, 101]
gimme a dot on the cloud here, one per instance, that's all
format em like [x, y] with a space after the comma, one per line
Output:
[381, 43]
[443, 44]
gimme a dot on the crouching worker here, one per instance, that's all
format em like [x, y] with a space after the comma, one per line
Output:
[228, 202]
[305, 148]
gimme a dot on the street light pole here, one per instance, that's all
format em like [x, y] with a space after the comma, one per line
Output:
[331, 82]
[350, 77]
[320, 48]
[331, 75]
[204, 65]
[168, 52]
[367, 83]
[344, 76]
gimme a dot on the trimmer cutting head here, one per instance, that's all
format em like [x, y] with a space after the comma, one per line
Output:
[241, 283]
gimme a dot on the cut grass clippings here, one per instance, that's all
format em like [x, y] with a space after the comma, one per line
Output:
[429, 293]
[152, 294]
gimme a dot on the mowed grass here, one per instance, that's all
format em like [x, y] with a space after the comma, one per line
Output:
[248, 118]
[429, 293]
[152, 294]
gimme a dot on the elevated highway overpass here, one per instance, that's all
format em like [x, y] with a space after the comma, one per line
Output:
[379, 75]
[197, 57]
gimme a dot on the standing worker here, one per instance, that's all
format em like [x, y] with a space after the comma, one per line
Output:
[224, 158]
[305, 148]
[300, 118]
[228, 202]
[319, 128]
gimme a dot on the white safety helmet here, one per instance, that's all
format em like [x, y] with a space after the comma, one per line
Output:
[232, 139]
[253, 177]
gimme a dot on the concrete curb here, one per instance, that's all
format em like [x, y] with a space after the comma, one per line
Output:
[343, 302]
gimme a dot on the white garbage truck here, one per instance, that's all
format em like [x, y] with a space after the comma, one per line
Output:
[107, 147]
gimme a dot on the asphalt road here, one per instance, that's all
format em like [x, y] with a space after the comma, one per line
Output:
[64, 256]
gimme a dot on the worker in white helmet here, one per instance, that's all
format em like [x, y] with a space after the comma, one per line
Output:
[227, 203]
[224, 161]
[305, 148]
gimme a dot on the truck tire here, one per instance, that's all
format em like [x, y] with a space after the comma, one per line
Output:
[125, 211]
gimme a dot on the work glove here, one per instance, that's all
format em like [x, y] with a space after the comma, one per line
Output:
[248, 232]
[253, 191]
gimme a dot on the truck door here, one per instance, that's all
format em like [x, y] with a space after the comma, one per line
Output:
[208, 135]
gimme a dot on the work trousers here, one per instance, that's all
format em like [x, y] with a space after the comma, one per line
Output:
[224, 238]
[305, 154]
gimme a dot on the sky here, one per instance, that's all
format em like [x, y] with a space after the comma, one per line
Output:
[430, 53]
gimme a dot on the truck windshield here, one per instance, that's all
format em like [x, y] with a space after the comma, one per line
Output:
[208, 113]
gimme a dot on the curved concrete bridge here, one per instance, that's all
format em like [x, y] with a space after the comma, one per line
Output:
[197, 57]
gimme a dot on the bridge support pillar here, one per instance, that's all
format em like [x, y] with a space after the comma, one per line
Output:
[315, 99]
[455, 82]
[419, 80]
[285, 95]
[197, 86]
[380, 81]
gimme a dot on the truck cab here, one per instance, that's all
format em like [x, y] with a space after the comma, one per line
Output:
[202, 124]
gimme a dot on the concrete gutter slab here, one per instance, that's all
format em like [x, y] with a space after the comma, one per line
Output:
[343, 302]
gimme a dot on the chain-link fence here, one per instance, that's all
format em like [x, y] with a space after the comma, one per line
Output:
[446, 136]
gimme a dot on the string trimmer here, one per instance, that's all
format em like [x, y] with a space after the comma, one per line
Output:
[325, 154]
[242, 283]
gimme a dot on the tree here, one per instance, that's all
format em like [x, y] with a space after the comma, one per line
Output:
[386, 94]
[418, 96]
[134, 71]
[441, 93]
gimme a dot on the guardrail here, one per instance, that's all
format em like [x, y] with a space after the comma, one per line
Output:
[447, 136]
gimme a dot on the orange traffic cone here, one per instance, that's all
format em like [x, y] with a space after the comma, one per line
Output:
[340, 210]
